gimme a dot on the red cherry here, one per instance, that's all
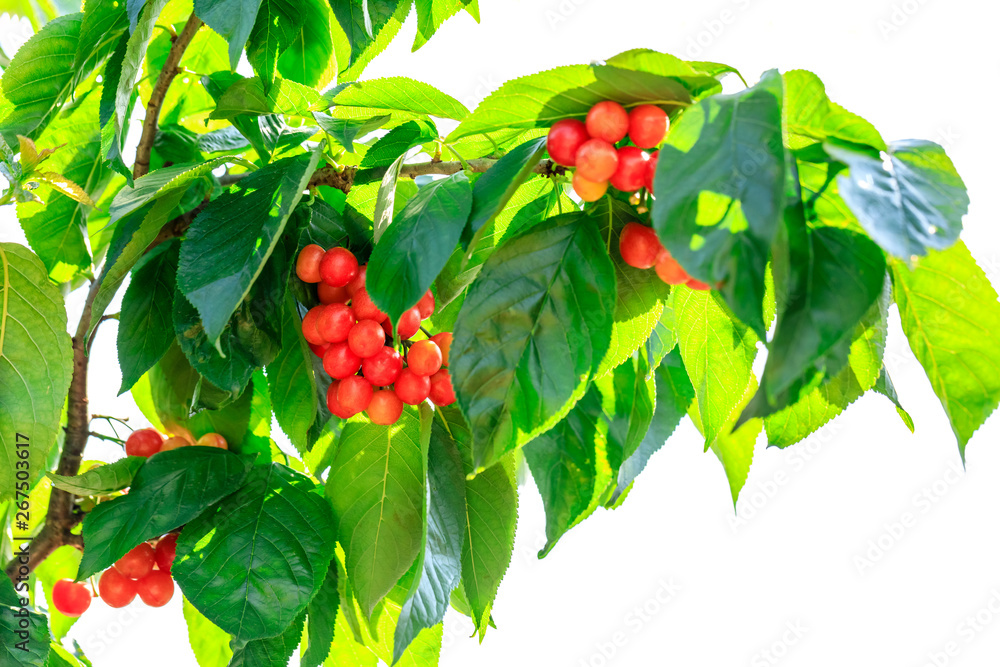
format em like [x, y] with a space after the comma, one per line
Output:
[607, 120]
[670, 271]
[424, 357]
[166, 551]
[698, 285]
[364, 308]
[596, 160]
[442, 392]
[647, 125]
[382, 368]
[213, 440]
[409, 324]
[385, 407]
[116, 589]
[443, 341]
[639, 246]
[144, 442]
[137, 563]
[333, 403]
[338, 267]
[335, 322]
[156, 588]
[631, 172]
[588, 190]
[318, 350]
[328, 294]
[426, 305]
[340, 362]
[366, 338]
[354, 394]
[358, 281]
[307, 265]
[411, 388]
[309, 330]
[387, 327]
[565, 138]
[71, 598]
[651, 170]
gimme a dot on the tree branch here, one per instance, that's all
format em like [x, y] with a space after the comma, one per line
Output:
[163, 81]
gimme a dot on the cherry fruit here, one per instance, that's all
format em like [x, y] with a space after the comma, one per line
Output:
[166, 551]
[338, 267]
[116, 589]
[443, 341]
[71, 598]
[607, 120]
[309, 329]
[213, 440]
[651, 170]
[565, 138]
[156, 588]
[588, 190]
[426, 305]
[631, 172]
[424, 357]
[597, 160]
[366, 338]
[138, 562]
[412, 388]
[383, 367]
[670, 271]
[339, 361]
[647, 125]
[442, 391]
[335, 322]
[144, 442]
[307, 264]
[385, 407]
[639, 246]
[354, 394]
[328, 294]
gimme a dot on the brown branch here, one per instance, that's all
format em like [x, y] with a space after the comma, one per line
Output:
[163, 81]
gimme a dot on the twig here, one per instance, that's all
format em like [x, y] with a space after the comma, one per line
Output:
[163, 81]
[101, 436]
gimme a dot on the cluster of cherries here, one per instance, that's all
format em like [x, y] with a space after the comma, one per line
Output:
[350, 333]
[590, 147]
[143, 571]
[640, 247]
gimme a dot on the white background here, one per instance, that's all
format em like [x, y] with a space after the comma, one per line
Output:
[818, 568]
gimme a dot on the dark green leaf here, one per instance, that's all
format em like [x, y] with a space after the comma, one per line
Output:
[911, 202]
[951, 317]
[310, 59]
[344, 131]
[628, 398]
[9, 597]
[269, 652]
[277, 25]
[377, 488]
[292, 383]
[36, 361]
[397, 142]
[104, 22]
[248, 221]
[495, 188]
[322, 618]
[145, 326]
[170, 489]
[102, 480]
[25, 638]
[233, 19]
[720, 196]
[160, 184]
[398, 93]
[439, 564]
[418, 243]
[541, 308]
[253, 563]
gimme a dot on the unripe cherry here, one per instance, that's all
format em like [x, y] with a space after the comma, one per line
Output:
[596, 160]
[385, 407]
[442, 391]
[647, 125]
[338, 267]
[144, 442]
[307, 264]
[424, 357]
[71, 598]
[564, 140]
[588, 190]
[156, 588]
[607, 120]
[340, 362]
[411, 388]
[116, 589]
[213, 440]
[366, 338]
[335, 322]
[631, 172]
[382, 368]
[354, 394]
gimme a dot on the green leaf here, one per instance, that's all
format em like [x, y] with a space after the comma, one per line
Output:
[385, 199]
[248, 96]
[253, 563]
[718, 352]
[418, 243]
[399, 93]
[439, 564]
[628, 400]
[322, 619]
[55, 229]
[311, 59]
[735, 452]
[910, 202]
[812, 118]
[145, 326]
[233, 19]
[641, 294]
[209, 643]
[563, 463]
[39, 77]
[377, 488]
[431, 14]
[674, 395]
[104, 22]
[367, 35]
[160, 184]
[291, 381]
[248, 221]
[951, 317]
[539, 100]
[495, 188]
[35, 366]
[26, 638]
[397, 142]
[169, 490]
[102, 480]
[721, 198]
[277, 25]
[271, 651]
[541, 307]
[8, 596]
[344, 131]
